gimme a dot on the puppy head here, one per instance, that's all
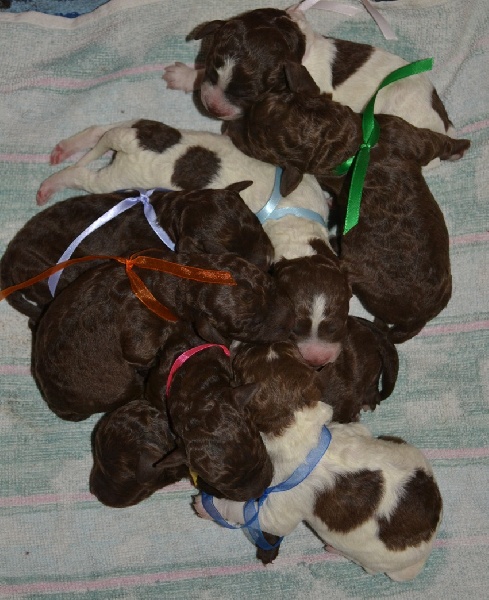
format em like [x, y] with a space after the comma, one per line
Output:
[224, 447]
[321, 295]
[253, 310]
[128, 445]
[245, 57]
[286, 383]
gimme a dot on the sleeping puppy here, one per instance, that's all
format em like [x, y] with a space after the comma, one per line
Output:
[244, 58]
[351, 383]
[320, 293]
[128, 445]
[96, 340]
[211, 221]
[213, 430]
[397, 257]
[375, 501]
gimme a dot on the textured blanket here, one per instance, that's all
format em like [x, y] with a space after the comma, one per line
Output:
[58, 76]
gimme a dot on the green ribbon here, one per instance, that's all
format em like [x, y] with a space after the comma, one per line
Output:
[371, 132]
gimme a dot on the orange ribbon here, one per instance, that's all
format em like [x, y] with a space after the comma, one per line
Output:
[137, 285]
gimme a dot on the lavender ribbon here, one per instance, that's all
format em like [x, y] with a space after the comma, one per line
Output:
[116, 210]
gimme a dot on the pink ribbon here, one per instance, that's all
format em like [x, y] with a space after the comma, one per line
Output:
[185, 356]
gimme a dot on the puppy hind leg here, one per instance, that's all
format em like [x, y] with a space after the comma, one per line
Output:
[82, 140]
[407, 573]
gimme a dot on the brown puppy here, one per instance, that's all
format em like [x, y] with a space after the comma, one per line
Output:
[397, 256]
[98, 331]
[351, 383]
[212, 221]
[320, 294]
[221, 443]
[128, 445]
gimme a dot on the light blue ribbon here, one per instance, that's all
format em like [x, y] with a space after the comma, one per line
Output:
[270, 210]
[116, 210]
[252, 507]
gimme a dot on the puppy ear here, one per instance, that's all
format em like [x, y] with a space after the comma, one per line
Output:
[243, 394]
[208, 332]
[204, 29]
[299, 80]
[291, 177]
[151, 464]
[239, 186]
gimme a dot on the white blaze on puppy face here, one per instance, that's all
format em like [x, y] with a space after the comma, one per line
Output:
[315, 351]
[213, 95]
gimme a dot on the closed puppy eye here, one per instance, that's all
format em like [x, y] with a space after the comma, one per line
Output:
[212, 76]
[302, 327]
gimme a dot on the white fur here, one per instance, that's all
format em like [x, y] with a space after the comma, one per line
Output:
[352, 448]
[136, 167]
[313, 349]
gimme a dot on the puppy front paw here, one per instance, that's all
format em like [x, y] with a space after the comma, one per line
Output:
[180, 77]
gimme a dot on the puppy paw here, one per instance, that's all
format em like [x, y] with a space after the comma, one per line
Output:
[44, 193]
[49, 187]
[59, 154]
[199, 508]
[180, 77]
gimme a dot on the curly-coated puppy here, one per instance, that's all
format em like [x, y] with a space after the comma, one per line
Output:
[374, 500]
[397, 256]
[98, 331]
[244, 58]
[134, 454]
[320, 293]
[150, 153]
[221, 443]
[211, 221]
[367, 358]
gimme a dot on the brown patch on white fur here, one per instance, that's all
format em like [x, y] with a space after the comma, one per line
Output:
[349, 58]
[196, 168]
[156, 136]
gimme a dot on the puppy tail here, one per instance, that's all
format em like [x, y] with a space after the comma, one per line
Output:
[399, 334]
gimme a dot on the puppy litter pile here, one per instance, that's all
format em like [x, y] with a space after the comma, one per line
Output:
[204, 309]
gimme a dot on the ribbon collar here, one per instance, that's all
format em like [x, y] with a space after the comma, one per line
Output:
[270, 210]
[137, 285]
[371, 132]
[182, 359]
[113, 212]
[252, 507]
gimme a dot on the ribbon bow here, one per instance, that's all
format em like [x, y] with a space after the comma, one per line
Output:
[371, 132]
[137, 285]
[252, 508]
[113, 212]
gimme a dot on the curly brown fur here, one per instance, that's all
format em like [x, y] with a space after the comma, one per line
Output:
[397, 257]
[320, 294]
[351, 383]
[221, 442]
[98, 331]
[212, 221]
[128, 445]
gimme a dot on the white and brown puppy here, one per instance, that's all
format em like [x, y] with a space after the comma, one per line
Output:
[373, 500]
[244, 58]
[152, 154]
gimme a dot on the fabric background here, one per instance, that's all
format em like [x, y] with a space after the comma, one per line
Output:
[58, 76]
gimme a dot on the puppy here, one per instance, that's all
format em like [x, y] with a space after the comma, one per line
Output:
[96, 341]
[397, 257]
[351, 383]
[244, 58]
[212, 221]
[373, 500]
[320, 293]
[134, 454]
[150, 154]
[222, 445]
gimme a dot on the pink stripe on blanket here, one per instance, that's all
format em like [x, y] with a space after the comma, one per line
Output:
[70, 83]
[129, 581]
[25, 158]
[470, 238]
[454, 328]
[14, 370]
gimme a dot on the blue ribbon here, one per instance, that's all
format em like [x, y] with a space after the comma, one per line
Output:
[270, 210]
[113, 212]
[252, 507]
